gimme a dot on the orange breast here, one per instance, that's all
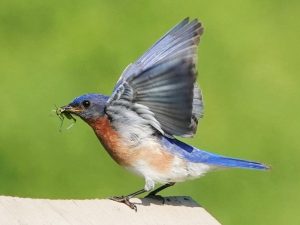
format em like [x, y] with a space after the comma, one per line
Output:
[152, 154]
[110, 139]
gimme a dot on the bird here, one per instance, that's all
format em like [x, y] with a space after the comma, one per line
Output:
[156, 101]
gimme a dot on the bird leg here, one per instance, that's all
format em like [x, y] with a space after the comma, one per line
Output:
[125, 199]
[153, 194]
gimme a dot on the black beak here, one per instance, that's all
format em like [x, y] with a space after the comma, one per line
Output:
[68, 109]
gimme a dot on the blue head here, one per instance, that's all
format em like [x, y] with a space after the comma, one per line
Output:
[88, 107]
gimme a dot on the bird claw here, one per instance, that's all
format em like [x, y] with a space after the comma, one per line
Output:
[125, 200]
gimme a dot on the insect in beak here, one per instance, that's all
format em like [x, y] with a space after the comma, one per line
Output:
[65, 112]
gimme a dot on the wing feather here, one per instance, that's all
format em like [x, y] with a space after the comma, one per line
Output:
[160, 87]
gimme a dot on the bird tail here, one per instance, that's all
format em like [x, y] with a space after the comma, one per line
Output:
[236, 163]
[195, 155]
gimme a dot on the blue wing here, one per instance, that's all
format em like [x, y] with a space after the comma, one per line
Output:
[199, 156]
[163, 83]
[183, 37]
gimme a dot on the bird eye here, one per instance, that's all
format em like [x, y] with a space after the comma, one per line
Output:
[86, 103]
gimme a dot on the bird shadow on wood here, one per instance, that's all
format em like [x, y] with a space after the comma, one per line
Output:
[169, 200]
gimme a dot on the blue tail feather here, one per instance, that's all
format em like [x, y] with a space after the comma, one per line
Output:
[235, 163]
[193, 154]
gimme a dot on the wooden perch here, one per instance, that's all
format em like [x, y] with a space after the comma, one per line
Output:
[176, 210]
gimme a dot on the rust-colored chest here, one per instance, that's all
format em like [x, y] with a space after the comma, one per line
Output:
[148, 153]
[111, 140]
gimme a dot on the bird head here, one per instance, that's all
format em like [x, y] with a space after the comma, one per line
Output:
[88, 107]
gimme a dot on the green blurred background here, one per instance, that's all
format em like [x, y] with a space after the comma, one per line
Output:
[53, 51]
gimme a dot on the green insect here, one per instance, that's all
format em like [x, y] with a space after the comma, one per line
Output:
[62, 114]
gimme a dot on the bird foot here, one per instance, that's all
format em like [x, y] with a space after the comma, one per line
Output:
[125, 200]
[156, 197]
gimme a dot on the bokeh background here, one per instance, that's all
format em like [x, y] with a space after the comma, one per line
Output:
[53, 51]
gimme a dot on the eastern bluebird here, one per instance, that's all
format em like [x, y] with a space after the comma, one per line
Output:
[155, 99]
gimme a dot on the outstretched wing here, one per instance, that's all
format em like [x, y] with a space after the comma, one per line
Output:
[182, 37]
[160, 89]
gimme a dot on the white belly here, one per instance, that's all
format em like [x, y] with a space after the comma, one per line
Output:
[179, 171]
